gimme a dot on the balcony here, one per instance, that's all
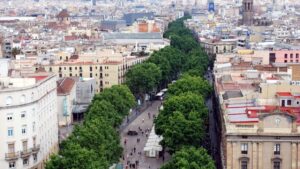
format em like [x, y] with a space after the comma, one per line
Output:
[11, 156]
[26, 153]
[35, 148]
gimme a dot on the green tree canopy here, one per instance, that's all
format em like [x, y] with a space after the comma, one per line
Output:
[119, 96]
[187, 83]
[182, 131]
[184, 103]
[190, 158]
[105, 110]
[143, 78]
[98, 135]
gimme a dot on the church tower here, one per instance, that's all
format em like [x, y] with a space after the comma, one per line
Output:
[248, 12]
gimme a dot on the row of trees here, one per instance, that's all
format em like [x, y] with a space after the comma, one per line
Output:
[96, 143]
[183, 120]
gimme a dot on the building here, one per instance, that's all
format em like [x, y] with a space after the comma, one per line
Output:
[130, 18]
[66, 98]
[259, 111]
[106, 72]
[213, 47]
[248, 12]
[28, 125]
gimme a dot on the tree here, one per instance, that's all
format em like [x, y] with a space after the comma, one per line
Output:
[73, 156]
[197, 62]
[119, 96]
[104, 109]
[190, 158]
[143, 78]
[182, 131]
[162, 62]
[98, 135]
[184, 103]
[187, 83]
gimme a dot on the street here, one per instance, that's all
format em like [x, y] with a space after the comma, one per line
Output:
[133, 149]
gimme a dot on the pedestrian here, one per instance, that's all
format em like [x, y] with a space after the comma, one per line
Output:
[146, 135]
[131, 154]
[149, 166]
[142, 133]
[138, 140]
[128, 162]
[149, 115]
[163, 158]
[134, 149]
[154, 116]
[125, 141]
[143, 120]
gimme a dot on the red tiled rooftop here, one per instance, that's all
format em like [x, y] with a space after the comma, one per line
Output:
[65, 85]
[284, 94]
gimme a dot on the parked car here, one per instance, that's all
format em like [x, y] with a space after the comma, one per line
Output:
[132, 133]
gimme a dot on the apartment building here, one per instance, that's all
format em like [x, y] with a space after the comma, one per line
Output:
[213, 47]
[28, 125]
[260, 115]
[106, 72]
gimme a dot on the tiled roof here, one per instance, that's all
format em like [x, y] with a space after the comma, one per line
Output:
[65, 85]
[284, 94]
[63, 14]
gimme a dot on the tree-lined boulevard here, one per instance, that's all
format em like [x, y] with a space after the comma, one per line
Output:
[183, 122]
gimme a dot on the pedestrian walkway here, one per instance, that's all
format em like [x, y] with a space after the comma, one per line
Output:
[134, 145]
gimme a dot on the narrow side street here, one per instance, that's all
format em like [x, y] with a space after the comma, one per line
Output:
[133, 149]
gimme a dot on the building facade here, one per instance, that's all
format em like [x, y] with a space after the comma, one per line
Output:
[248, 12]
[28, 125]
[106, 74]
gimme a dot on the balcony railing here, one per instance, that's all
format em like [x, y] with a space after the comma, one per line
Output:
[12, 156]
[26, 153]
[35, 148]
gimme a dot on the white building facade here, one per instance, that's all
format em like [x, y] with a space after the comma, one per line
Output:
[28, 121]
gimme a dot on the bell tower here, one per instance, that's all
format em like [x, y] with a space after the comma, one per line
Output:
[248, 12]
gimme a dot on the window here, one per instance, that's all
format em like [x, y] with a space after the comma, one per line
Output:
[24, 129]
[285, 55]
[9, 117]
[285, 61]
[70, 74]
[291, 55]
[244, 165]
[289, 102]
[244, 148]
[297, 55]
[65, 68]
[23, 114]
[91, 75]
[9, 100]
[277, 149]
[25, 161]
[33, 126]
[50, 69]
[11, 165]
[276, 164]
[75, 68]
[34, 157]
[80, 74]
[91, 68]
[10, 131]
[60, 75]
[70, 68]
[23, 98]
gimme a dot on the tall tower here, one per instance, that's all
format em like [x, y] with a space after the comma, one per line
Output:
[211, 5]
[248, 12]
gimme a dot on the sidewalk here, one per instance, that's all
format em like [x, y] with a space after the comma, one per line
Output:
[133, 150]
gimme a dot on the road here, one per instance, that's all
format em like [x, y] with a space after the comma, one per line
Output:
[144, 122]
[214, 124]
